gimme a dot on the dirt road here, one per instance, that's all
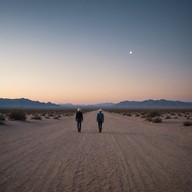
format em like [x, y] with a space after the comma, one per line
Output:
[129, 155]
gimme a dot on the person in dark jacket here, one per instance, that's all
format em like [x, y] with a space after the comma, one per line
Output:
[79, 119]
[100, 120]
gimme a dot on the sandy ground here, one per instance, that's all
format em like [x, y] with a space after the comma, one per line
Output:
[129, 155]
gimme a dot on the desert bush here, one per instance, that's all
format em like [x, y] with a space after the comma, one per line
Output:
[149, 119]
[18, 115]
[153, 114]
[137, 115]
[157, 120]
[167, 117]
[68, 114]
[37, 117]
[187, 123]
[2, 118]
[143, 113]
[1, 122]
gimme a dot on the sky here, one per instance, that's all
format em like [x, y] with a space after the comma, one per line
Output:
[78, 51]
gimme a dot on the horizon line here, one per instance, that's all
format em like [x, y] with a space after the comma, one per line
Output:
[107, 102]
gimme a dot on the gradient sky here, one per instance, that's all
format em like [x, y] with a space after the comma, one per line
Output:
[77, 51]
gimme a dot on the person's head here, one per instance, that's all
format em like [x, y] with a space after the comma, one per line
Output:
[79, 109]
[100, 110]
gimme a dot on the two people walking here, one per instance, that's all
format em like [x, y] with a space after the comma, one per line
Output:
[79, 119]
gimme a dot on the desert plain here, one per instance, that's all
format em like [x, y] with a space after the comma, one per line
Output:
[130, 155]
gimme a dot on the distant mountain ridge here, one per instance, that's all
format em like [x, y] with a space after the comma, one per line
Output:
[162, 103]
[90, 106]
[24, 103]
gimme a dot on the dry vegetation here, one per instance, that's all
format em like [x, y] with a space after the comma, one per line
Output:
[184, 116]
[34, 114]
[2, 119]
[158, 115]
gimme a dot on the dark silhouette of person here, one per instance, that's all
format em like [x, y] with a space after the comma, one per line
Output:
[79, 119]
[100, 120]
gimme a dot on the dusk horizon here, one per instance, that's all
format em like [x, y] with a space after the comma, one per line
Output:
[104, 102]
[87, 52]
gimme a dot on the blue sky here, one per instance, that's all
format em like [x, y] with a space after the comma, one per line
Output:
[78, 51]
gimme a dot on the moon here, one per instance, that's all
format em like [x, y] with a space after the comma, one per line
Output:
[130, 52]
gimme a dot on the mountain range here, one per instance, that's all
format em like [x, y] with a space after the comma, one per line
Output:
[162, 103]
[24, 103]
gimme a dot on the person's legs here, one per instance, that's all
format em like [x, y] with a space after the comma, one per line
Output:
[79, 126]
[100, 126]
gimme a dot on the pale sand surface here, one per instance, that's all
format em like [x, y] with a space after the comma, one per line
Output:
[130, 155]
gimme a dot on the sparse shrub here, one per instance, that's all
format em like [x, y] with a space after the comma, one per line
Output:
[2, 118]
[143, 113]
[153, 114]
[37, 117]
[167, 117]
[187, 123]
[149, 119]
[137, 115]
[150, 116]
[56, 117]
[17, 115]
[157, 120]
